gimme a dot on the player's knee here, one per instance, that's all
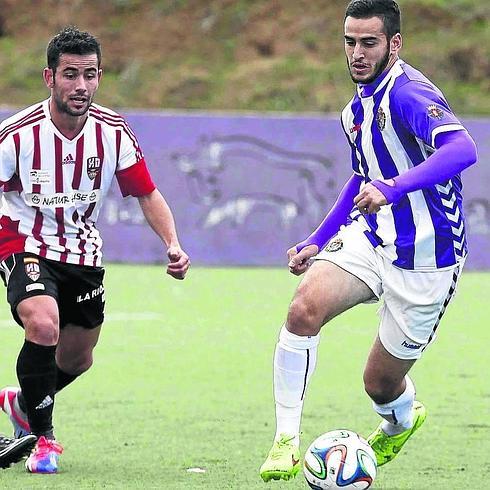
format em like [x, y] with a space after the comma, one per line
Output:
[83, 365]
[41, 328]
[75, 363]
[302, 319]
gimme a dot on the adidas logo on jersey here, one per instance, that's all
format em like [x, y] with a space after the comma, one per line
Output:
[68, 160]
[45, 403]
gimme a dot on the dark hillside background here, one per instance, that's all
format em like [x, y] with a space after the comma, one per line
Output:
[284, 55]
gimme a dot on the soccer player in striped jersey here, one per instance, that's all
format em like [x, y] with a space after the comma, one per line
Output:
[57, 161]
[396, 233]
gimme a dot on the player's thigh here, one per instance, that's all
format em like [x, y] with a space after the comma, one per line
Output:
[82, 305]
[75, 346]
[40, 318]
[343, 275]
[352, 251]
[325, 291]
[82, 300]
[32, 291]
[414, 304]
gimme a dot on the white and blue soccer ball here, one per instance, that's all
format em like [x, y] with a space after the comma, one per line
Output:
[339, 459]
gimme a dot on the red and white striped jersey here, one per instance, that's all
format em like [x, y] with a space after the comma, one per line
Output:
[53, 187]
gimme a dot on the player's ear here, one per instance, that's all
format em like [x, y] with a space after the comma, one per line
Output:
[48, 76]
[396, 43]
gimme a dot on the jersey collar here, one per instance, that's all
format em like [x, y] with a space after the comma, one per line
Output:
[368, 90]
[55, 129]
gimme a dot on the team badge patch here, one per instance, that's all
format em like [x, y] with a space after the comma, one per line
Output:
[381, 119]
[93, 167]
[31, 266]
[334, 245]
[435, 112]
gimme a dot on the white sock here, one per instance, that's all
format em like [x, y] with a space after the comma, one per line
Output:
[294, 363]
[398, 414]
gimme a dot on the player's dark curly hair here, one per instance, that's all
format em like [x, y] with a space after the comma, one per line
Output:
[70, 40]
[387, 10]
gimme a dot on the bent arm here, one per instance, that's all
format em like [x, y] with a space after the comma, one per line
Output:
[336, 217]
[455, 151]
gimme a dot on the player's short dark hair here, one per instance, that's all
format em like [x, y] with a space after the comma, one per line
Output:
[70, 40]
[387, 10]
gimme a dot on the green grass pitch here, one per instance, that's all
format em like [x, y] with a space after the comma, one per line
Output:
[182, 379]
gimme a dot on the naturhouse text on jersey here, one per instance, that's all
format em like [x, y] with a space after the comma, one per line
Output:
[62, 199]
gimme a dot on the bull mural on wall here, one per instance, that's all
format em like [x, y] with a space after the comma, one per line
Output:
[236, 177]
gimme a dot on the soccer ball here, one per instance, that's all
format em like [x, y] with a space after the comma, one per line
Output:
[339, 459]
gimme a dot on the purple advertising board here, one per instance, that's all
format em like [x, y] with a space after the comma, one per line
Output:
[245, 187]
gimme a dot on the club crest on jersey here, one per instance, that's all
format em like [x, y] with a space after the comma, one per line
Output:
[32, 269]
[435, 112]
[93, 167]
[381, 119]
[334, 245]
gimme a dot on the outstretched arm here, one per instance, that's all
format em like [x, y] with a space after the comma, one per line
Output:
[300, 254]
[160, 218]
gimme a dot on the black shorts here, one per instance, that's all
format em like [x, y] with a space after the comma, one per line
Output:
[78, 289]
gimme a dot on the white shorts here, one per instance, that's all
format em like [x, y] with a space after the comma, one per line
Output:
[413, 301]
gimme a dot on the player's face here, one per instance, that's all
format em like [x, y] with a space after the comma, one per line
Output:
[367, 48]
[74, 83]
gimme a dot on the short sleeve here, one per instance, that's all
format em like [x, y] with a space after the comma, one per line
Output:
[424, 111]
[135, 180]
[8, 161]
[129, 151]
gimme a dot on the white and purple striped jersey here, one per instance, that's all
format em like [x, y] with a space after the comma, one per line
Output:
[53, 187]
[391, 126]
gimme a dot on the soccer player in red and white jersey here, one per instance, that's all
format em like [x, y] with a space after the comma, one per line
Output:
[57, 161]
